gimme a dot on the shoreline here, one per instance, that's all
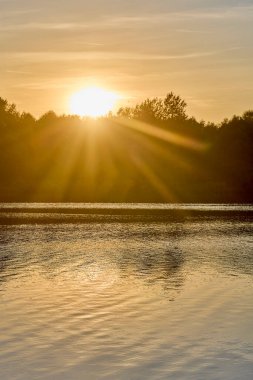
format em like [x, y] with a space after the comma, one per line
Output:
[53, 215]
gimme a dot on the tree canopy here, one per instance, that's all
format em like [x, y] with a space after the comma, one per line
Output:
[153, 152]
[172, 107]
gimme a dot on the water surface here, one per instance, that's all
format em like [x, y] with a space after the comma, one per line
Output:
[144, 299]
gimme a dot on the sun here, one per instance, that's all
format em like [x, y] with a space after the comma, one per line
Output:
[92, 102]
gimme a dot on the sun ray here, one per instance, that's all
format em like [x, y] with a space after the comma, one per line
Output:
[161, 134]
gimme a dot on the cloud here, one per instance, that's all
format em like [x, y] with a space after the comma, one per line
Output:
[18, 72]
[126, 56]
[99, 21]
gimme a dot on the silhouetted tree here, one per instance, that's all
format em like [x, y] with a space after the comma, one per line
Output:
[67, 158]
[172, 107]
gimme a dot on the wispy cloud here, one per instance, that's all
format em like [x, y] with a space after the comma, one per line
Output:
[10, 13]
[99, 22]
[43, 26]
[127, 56]
[215, 13]
[18, 72]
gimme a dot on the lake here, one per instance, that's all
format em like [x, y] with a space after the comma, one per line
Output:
[117, 291]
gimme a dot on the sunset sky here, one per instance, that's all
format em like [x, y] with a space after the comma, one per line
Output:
[201, 50]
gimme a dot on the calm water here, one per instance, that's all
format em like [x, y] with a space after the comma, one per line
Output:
[151, 299]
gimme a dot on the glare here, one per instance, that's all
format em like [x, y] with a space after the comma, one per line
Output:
[92, 102]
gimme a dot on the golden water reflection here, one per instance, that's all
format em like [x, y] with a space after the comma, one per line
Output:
[120, 301]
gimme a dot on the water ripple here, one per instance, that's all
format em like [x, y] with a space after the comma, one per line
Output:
[136, 301]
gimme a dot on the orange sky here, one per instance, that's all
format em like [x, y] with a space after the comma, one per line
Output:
[201, 50]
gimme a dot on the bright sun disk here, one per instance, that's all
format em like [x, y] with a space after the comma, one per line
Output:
[92, 102]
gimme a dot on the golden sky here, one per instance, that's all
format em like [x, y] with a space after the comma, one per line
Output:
[201, 50]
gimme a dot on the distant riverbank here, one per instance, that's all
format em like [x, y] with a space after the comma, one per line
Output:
[16, 213]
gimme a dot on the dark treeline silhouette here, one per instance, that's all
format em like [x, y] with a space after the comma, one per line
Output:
[152, 152]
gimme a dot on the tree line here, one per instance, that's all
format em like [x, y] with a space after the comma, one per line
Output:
[152, 152]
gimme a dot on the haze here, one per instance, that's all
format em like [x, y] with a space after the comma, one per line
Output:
[201, 50]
